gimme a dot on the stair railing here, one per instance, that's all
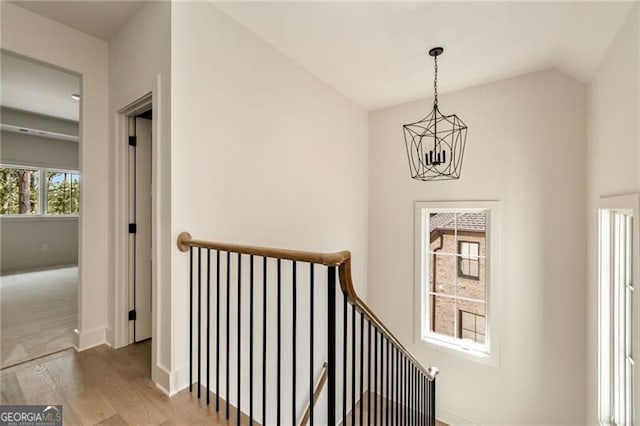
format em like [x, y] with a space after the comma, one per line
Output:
[358, 345]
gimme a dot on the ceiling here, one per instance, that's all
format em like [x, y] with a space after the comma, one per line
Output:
[375, 53]
[38, 88]
[100, 19]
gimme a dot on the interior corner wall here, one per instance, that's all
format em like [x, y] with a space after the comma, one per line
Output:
[139, 64]
[613, 163]
[525, 148]
[263, 153]
[33, 36]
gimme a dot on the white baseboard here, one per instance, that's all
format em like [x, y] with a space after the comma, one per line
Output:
[451, 419]
[163, 380]
[89, 339]
[179, 379]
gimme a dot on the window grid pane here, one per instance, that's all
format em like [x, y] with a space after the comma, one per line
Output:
[19, 191]
[63, 193]
[451, 260]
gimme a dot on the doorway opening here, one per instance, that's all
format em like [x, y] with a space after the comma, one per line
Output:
[135, 292]
[139, 211]
[39, 209]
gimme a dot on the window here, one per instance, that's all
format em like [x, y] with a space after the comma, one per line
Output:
[21, 192]
[62, 192]
[469, 261]
[617, 334]
[455, 249]
[471, 326]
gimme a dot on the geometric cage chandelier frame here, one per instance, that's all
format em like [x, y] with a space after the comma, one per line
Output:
[435, 145]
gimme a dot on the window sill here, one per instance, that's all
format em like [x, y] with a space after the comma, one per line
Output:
[467, 353]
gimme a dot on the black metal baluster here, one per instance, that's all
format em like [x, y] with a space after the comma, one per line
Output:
[311, 294]
[190, 318]
[424, 399]
[388, 382]
[293, 348]
[361, 365]
[414, 390]
[208, 318]
[264, 340]
[279, 337]
[199, 315]
[345, 325]
[251, 340]
[412, 395]
[381, 393]
[331, 337]
[375, 377]
[217, 330]
[369, 376]
[397, 383]
[227, 396]
[404, 391]
[353, 365]
[238, 409]
[432, 402]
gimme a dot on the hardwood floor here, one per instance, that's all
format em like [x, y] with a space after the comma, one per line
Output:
[103, 386]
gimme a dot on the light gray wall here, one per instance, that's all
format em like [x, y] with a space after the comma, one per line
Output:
[19, 118]
[29, 243]
[24, 149]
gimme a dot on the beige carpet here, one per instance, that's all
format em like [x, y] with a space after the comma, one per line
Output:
[38, 314]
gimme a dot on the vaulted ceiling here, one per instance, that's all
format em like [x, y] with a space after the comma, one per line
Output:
[376, 52]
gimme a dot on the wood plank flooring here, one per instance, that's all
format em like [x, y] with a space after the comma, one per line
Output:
[104, 386]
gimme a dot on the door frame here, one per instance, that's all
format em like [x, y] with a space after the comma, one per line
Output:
[121, 221]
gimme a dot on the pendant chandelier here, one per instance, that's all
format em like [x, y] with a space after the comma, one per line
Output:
[435, 144]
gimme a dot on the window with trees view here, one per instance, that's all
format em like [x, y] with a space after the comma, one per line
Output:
[63, 192]
[27, 191]
[19, 191]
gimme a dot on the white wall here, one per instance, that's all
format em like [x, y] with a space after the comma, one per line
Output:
[262, 153]
[140, 63]
[525, 148]
[613, 159]
[25, 33]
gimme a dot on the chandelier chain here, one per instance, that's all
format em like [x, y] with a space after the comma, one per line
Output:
[435, 81]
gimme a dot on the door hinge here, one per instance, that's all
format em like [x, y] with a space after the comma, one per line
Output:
[132, 315]
[133, 141]
[133, 228]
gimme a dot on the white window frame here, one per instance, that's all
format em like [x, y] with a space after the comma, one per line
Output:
[489, 352]
[611, 410]
[45, 190]
[36, 169]
[42, 191]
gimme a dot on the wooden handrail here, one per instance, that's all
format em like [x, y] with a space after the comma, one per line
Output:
[341, 259]
[316, 394]
[329, 259]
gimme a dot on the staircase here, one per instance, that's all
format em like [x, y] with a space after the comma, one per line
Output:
[281, 337]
